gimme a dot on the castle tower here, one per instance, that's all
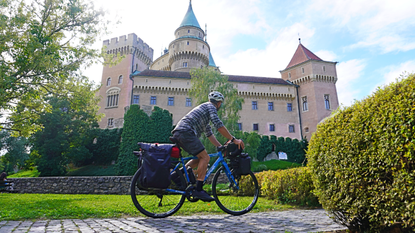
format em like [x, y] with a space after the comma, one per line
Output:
[116, 85]
[317, 94]
[188, 50]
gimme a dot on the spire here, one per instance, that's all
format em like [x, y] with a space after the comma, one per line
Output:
[190, 18]
[211, 61]
[302, 54]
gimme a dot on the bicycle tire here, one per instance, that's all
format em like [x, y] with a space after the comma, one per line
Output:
[157, 203]
[231, 200]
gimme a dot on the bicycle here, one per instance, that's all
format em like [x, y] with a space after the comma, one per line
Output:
[234, 193]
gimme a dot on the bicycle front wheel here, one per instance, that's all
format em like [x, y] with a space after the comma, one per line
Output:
[231, 199]
[157, 203]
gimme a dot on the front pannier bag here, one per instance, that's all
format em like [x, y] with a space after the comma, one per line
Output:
[245, 164]
[155, 169]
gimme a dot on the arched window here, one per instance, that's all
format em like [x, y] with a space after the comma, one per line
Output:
[109, 81]
[120, 79]
[305, 104]
[112, 97]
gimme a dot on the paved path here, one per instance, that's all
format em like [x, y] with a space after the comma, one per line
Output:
[280, 221]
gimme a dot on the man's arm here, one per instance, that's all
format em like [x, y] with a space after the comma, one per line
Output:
[224, 131]
[214, 141]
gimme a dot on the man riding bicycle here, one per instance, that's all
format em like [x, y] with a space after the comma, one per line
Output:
[189, 129]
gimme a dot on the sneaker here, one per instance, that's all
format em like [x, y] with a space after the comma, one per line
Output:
[202, 195]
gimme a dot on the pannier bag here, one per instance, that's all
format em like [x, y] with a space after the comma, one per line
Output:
[155, 168]
[244, 164]
[232, 150]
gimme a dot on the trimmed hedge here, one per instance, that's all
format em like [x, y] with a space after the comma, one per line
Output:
[290, 186]
[363, 158]
[294, 148]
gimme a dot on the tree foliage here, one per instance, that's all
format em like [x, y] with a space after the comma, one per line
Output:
[105, 146]
[43, 44]
[66, 131]
[363, 161]
[16, 151]
[206, 80]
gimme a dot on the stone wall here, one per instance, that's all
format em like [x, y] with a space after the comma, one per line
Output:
[74, 185]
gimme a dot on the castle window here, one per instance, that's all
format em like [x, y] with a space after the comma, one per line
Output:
[120, 79]
[305, 103]
[188, 102]
[110, 122]
[324, 68]
[170, 101]
[153, 100]
[289, 75]
[272, 127]
[289, 107]
[109, 81]
[306, 129]
[136, 66]
[184, 64]
[255, 127]
[203, 46]
[291, 129]
[254, 105]
[112, 100]
[188, 43]
[136, 99]
[270, 106]
[327, 101]
[302, 69]
[240, 126]
[188, 31]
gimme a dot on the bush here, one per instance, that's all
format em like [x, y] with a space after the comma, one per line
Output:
[290, 186]
[363, 161]
[294, 148]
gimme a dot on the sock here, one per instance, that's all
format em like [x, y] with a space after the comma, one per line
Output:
[199, 185]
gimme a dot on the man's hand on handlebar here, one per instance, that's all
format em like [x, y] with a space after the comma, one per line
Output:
[240, 143]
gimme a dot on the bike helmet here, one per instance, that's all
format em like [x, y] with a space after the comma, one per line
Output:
[216, 96]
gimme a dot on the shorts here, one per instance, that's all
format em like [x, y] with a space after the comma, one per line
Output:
[189, 142]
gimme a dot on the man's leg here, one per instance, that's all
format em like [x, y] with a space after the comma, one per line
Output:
[202, 165]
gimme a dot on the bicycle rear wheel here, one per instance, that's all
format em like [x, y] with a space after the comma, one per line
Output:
[232, 200]
[157, 203]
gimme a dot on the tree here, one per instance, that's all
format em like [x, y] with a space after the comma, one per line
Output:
[67, 128]
[16, 151]
[206, 80]
[43, 44]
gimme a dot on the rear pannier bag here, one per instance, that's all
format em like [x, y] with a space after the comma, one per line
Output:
[245, 164]
[155, 168]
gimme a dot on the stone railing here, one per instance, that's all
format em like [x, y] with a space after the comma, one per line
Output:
[74, 185]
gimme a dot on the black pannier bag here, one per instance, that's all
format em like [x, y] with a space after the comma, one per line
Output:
[155, 168]
[244, 164]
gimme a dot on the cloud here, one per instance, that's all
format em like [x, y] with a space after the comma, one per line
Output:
[269, 61]
[383, 24]
[326, 55]
[348, 74]
[395, 71]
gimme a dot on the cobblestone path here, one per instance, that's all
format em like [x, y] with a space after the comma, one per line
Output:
[279, 221]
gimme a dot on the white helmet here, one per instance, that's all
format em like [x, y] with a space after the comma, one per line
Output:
[217, 96]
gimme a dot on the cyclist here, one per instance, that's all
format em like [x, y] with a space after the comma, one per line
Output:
[190, 128]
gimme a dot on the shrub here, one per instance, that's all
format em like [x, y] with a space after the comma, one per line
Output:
[294, 148]
[290, 186]
[363, 161]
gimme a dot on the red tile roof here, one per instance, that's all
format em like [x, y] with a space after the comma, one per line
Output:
[301, 55]
[232, 78]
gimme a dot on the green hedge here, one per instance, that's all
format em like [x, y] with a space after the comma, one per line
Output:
[294, 148]
[105, 146]
[290, 186]
[139, 127]
[363, 161]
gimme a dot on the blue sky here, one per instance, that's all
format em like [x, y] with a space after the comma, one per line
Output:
[372, 41]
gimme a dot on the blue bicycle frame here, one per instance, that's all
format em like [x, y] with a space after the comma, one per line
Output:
[217, 163]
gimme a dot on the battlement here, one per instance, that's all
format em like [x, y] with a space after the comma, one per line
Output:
[124, 43]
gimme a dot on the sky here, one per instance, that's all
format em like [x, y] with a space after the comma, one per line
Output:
[373, 41]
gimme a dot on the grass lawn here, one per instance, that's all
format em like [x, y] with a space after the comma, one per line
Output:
[60, 206]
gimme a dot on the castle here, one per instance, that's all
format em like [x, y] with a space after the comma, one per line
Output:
[290, 106]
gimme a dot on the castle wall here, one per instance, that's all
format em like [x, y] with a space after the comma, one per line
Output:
[137, 56]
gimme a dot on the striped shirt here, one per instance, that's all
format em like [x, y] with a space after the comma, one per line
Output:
[198, 120]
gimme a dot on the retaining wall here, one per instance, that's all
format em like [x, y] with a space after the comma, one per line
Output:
[74, 185]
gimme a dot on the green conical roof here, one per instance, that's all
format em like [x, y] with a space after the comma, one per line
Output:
[211, 61]
[190, 18]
